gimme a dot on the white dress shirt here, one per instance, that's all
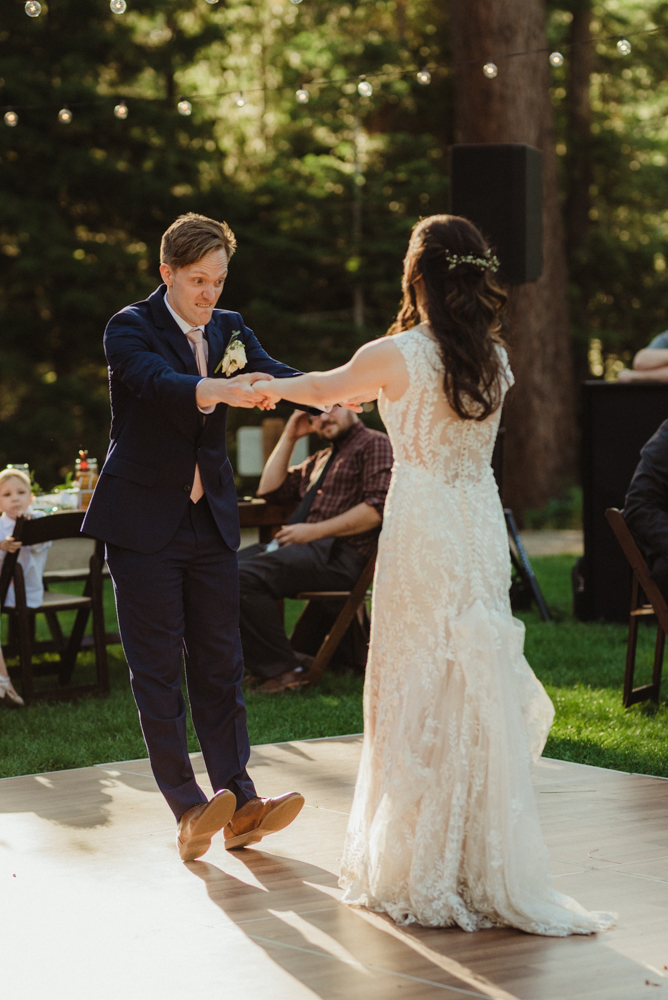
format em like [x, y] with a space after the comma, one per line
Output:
[186, 327]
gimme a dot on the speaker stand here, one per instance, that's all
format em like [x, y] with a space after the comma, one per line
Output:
[525, 577]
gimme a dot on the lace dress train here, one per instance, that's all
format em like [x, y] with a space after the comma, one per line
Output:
[444, 828]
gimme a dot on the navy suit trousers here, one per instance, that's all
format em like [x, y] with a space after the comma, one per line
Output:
[183, 602]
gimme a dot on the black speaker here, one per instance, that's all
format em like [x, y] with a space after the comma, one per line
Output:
[499, 187]
[618, 418]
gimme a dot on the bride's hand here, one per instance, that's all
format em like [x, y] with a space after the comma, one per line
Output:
[269, 397]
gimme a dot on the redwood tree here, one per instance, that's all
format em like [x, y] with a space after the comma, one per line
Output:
[516, 107]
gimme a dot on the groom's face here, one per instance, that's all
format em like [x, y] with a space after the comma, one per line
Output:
[194, 290]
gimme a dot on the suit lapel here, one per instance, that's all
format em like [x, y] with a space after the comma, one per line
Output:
[170, 332]
[217, 343]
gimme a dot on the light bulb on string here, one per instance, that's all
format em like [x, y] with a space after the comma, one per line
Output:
[11, 118]
[65, 116]
[424, 77]
[121, 110]
[118, 6]
[364, 88]
[302, 96]
[295, 1]
[556, 59]
[184, 107]
[212, 1]
[240, 101]
[33, 8]
[624, 46]
[490, 70]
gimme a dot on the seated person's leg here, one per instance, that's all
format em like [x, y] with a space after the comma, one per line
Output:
[268, 577]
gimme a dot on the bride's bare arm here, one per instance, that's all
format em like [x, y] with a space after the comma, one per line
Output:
[377, 365]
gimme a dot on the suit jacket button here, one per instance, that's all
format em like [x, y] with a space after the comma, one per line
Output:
[187, 488]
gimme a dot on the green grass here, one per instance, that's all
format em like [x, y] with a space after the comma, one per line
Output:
[50, 737]
[582, 666]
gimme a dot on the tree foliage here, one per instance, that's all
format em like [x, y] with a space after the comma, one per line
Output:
[321, 196]
[619, 281]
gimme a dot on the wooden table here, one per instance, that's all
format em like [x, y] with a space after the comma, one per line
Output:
[268, 517]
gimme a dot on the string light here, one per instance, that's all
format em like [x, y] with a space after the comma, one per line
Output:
[212, 1]
[33, 8]
[118, 6]
[295, 1]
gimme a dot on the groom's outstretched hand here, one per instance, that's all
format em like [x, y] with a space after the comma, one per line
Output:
[237, 391]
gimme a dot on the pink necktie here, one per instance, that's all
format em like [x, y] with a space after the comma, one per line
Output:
[196, 338]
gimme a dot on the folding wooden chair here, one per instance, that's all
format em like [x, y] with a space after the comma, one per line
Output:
[71, 574]
[642, 586]
[22, 618]
[354, 608]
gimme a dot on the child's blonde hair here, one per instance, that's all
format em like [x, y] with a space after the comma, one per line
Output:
[18, 474]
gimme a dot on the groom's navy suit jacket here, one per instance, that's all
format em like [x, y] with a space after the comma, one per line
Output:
[157, 432]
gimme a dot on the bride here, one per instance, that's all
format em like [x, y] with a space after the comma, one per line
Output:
[444, 827]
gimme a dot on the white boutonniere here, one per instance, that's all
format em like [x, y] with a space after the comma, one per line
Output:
[234, 358]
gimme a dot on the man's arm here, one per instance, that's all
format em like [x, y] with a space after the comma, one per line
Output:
[276, 468]
[363, 517]
[650, 358]
[149, 376]
[375, 466]
[646, 375]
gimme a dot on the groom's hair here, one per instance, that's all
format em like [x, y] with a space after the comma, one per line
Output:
[192, 237]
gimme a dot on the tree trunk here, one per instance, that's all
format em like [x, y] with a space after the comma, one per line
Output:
[516, 107]
[580, 66]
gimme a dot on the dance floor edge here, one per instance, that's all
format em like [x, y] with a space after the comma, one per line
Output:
[96, 904]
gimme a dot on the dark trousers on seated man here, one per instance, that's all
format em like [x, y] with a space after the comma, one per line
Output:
[266, 577]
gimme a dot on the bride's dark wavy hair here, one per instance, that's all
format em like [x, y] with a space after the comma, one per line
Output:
[464, 304]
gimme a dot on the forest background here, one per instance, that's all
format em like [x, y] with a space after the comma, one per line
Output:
[321, 196]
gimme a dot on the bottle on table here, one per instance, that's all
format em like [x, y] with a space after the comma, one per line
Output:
[86, 475]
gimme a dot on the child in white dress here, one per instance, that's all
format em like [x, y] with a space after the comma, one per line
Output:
[15, 500]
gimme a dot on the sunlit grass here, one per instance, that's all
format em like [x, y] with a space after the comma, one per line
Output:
[581, 664]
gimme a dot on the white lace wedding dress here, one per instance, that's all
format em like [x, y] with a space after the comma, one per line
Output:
[444, 828]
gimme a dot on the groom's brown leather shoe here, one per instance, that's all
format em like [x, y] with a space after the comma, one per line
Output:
[198, 825]
[261, 816]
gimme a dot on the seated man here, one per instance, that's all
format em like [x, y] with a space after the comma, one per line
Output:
[340, 493]
[650, 364]
[646, 506]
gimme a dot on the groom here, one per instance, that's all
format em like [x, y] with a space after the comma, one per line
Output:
[166, 506]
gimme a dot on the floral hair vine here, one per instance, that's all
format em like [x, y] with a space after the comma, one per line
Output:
[486, 262]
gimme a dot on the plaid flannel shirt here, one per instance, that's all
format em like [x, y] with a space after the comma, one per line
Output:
[360, 473]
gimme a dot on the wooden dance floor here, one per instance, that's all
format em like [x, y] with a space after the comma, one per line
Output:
[95, 903]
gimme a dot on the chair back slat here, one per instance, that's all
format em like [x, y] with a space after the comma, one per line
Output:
[638, 564]
[64, 524]
[9, 562]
